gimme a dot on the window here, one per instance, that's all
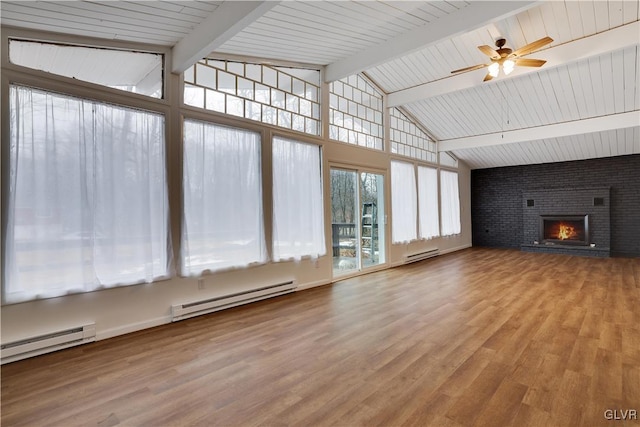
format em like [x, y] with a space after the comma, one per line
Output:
[409, 140]
[404, 204]
[129, 71]
[222, 185]
[298, 220]
[447, 159]
[355, 112]
[428, 202]
[279, 96]
[87, 196]
[450, 203]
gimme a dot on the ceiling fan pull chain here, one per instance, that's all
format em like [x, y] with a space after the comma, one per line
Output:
[504, 100]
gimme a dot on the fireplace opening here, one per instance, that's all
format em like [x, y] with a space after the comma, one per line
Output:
[564, 229]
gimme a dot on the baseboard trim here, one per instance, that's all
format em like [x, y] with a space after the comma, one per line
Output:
[442, 252]
[132, 327]
[456, 249]
[312, 285]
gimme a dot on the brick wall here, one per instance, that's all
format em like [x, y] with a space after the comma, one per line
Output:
[497, 210]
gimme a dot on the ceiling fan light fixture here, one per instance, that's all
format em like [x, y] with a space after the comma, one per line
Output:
[507, 66]
[494, 69]
[506, 59]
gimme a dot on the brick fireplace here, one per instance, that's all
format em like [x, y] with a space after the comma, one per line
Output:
[572, 221]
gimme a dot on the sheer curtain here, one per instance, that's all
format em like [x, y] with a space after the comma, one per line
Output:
[428, 202]
[87, 196]
[298, 220]
[404, 203]
[222, 192]
[450, 203]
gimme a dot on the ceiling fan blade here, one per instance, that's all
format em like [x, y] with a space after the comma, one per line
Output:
[526, 62]
[487, 77]
[490, 52]
[532, 46]
[474, 67]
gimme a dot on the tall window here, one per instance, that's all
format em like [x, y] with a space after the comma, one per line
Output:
[222, 186]
[87, 196]
[429, 225]
[298, 220]
[450, 203]
[404, 203]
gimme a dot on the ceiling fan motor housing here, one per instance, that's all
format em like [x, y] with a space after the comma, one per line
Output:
[503, 51]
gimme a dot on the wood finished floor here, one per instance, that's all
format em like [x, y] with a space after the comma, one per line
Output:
[479, 337]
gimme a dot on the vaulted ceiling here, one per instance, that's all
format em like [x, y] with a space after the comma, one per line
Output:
[583, 103]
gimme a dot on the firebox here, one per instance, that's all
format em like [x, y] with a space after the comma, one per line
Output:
[564, 229]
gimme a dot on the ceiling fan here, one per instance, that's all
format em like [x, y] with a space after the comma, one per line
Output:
[506, 58]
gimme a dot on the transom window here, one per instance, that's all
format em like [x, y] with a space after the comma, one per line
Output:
[447, 159]
[355, 112]
[279, 96]
[409, 140]
[137, 72]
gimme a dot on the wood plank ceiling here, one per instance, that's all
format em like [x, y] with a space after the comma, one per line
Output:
[156, 22]
[596, 85]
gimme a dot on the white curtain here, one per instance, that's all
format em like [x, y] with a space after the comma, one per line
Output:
[450, 200]
[298, 220]
[404, 203]
[222, 192]
[428, 202]
[87, 196]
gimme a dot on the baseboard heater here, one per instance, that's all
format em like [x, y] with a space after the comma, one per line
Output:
[419, 256]
[42, 344]
[197, 308]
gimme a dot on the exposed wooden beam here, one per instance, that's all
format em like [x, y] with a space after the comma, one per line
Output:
[558, 130]
[471, 17]
[227, 20]
[597, 44]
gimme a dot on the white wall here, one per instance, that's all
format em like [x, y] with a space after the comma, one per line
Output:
[126, 309]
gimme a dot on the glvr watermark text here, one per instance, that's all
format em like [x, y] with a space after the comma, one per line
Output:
[621, 414]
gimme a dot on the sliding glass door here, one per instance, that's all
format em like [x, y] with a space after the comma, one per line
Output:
[357, 220]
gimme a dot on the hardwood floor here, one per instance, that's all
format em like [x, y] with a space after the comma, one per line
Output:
[478, 337]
